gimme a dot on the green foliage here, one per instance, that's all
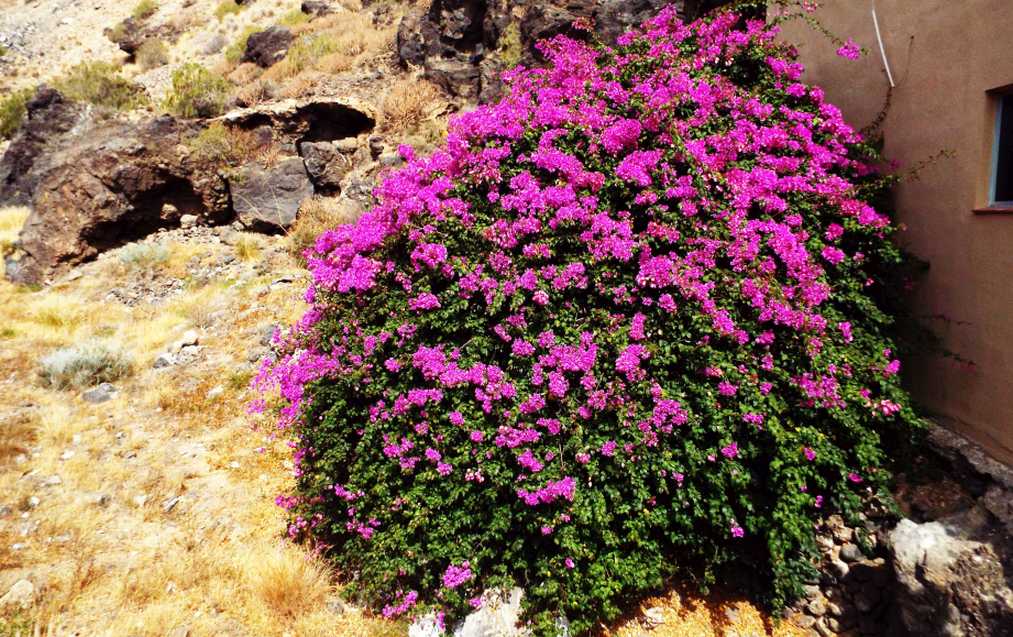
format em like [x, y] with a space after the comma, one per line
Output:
[511, 49]
[101, 84]
[308, 49]
[90, 363]
[12, 112]
[293, 18]
[227, 7]
[143, 255]
[152, 54]
[218, 145]
[144, 9]
[196, 92]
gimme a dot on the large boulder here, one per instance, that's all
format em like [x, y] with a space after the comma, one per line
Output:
[267, 47]
[49, 116]
[268, 198]
[96, 180]
[950, 578]
[327, 163]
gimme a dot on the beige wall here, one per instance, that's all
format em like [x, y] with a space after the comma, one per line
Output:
[945, 55]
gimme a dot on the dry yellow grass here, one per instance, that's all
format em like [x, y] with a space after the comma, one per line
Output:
[11, 220]
[409, 103]
[334, 43]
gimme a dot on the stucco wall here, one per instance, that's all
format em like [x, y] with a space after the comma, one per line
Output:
[945, 55]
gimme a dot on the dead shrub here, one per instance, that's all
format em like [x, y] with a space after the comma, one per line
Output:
[152, 54]
[316, 215]
[409, 103]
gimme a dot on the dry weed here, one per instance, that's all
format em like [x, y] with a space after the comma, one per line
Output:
[409, 103]
[316, 215]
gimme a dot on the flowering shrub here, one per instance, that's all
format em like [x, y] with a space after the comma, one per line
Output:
[625, 326]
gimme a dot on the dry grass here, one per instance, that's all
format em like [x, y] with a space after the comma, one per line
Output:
[334, 43]
[315, 216]
[12, 218]
[409, 103]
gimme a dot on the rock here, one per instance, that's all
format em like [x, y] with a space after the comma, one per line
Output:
[948, 584]
[170, 504]
[187, 221]
[654, 616]
[817, 608]
[316, 7]
[164, 360]
[268, 199]
[326, 164]
[267, 334]
[48, 117]
[839, 569]
[128, 35]
[851, 553]
[52, 481]
[499, 615]
[315, 119]
[456, 42]
[334, 604]
[96, 181]
[21, 595]
[100, 394]
[267, 47]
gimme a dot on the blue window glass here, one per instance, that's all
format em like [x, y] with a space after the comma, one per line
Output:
[1002, 163]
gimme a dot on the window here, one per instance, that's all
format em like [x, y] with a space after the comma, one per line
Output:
[1001, 192]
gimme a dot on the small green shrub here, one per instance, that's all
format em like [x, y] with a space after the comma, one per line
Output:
[308, 49]
[84, 365]
[196, 92]
[219, 145]
[152, 54]
[293, 18]
[227, 7]
[12, 112]
[144, 9]
[143, 255]
[100, 83]
[511, 49]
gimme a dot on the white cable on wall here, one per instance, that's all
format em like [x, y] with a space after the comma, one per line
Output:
[882, 49]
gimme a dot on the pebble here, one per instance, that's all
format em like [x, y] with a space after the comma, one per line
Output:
[53, 481]
[163, 360]
[66, 455]
[839, 569]
[103, 393]
[654, 616]
[851, 553]
[817, 607]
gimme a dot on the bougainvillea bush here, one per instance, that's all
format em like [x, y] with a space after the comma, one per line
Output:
[625, 328]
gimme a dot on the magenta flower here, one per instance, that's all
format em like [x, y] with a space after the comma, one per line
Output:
[737, 531]
[850, 50]
[810, 455]
[454, 576]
